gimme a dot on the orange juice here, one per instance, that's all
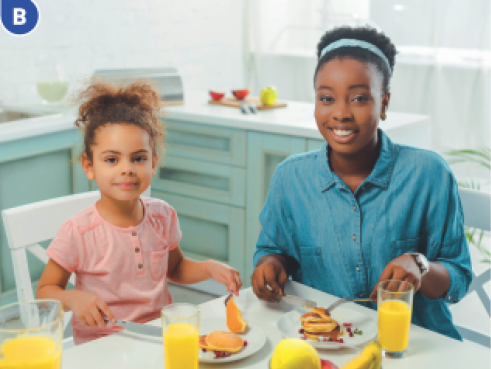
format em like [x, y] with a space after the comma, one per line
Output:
[32, 352]
[181, 346]
[394, 319]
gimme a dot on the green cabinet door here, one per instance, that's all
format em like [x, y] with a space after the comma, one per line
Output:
[264, 152]
[209, 230]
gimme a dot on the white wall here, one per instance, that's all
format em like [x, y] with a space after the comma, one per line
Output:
[203, 39]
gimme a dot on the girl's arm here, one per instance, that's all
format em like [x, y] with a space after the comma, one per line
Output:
[182, 270]
[87, 307]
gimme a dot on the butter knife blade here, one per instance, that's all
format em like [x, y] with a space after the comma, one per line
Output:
[298, 301]
[145, 329]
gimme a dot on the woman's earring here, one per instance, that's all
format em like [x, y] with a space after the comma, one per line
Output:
[383, 116]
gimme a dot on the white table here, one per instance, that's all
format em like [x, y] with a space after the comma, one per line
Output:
[426, 349]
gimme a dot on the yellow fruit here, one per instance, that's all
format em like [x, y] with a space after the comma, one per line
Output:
[369, 358]
[294, 353]
[268, 95]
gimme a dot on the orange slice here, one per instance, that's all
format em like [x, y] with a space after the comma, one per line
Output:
[235, 321]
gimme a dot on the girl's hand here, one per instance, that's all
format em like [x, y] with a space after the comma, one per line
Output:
[403, 268]
[89, 308]
[224, 274]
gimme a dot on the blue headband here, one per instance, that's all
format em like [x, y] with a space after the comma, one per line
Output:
[347, 42]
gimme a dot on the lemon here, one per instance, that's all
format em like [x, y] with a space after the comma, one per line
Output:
[293, 353]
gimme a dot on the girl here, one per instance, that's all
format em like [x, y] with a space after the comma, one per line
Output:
[371, 209]
[124, 247]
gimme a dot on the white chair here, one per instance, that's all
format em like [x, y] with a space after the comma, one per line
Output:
[477, 214]
[27, 225]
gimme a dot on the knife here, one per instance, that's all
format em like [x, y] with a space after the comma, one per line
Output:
[298, 301]
[146, 329]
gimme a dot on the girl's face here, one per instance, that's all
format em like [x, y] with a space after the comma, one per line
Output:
[122, 161]
[348, 105]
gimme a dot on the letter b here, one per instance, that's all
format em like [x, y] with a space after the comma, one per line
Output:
[19, 16]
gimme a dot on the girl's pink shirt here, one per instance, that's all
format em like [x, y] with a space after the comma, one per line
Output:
[125, 267]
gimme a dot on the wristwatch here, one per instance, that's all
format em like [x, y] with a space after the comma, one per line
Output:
[422, 261]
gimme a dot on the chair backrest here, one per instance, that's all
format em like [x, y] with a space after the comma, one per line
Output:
[27, 225]
[477, 214]
[477, 208]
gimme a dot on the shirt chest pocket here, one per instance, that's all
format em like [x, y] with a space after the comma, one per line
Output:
[416, 244]
[158, 264]
[313, 270]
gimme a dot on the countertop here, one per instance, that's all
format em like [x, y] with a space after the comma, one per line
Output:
[296, 119]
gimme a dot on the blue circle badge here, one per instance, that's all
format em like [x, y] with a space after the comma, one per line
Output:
[19, 17]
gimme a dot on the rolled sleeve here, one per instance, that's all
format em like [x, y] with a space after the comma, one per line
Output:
[458, 267]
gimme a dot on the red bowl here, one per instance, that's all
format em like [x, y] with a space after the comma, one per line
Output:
[217, 95]
[240, 94]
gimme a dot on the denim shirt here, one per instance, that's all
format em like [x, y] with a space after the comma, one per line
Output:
[342, 241]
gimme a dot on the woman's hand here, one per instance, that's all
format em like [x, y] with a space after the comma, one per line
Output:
[224, 274]
[403, 268]
[89, 308]
[268, 278]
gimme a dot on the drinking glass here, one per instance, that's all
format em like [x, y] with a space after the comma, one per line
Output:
[31, 335]
[394, 308]
[180, 326]
[52, 84]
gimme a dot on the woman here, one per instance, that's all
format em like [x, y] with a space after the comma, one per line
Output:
[363, 209]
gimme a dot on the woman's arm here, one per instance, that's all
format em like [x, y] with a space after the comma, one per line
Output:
[436, 282]
[182, 270]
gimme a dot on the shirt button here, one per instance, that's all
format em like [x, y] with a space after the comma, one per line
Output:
[137, 250]
[354, 208]
[133, 233]
[140, 266]
[357, 268]
[361, 294]
[449, 297]
[354, 238]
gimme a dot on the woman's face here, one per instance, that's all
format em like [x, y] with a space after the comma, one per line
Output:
[349, 101]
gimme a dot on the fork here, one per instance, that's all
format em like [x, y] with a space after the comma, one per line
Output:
[342, 301]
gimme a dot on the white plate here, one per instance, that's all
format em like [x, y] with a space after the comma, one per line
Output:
[289, 325]
[254, 336]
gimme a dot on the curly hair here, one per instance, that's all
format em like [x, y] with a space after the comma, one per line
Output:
[367, 34]
[104, 102]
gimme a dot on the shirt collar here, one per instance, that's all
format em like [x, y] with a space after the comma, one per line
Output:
[380, 175]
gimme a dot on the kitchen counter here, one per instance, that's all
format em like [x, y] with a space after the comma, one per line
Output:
[294, 120]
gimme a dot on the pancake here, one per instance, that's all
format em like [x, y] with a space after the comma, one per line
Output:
[320, 327]
[318, 323]
[321, 312]
[334, 334]
[311, 317]
[221, 341]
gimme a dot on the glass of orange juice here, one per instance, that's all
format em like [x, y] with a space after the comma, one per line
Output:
[180, 326]
[31, 335]
[394, 308]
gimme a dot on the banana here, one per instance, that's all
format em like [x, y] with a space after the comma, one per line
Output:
[369, 358]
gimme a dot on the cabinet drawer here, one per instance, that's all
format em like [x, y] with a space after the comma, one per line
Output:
[202, 180]
[209, 231]
[206, 143]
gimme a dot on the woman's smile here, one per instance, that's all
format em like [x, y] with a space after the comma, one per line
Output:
[342, 135]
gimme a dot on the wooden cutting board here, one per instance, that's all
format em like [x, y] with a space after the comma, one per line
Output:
[234, 103]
